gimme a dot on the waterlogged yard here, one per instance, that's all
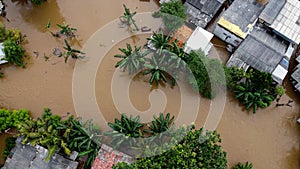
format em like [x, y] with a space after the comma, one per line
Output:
[268, 139]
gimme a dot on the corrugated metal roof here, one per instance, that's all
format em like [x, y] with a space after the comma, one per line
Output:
[243, 13]
[272, 10]
[285, 23]
[28, 157]
[202, 11]
[260, 50]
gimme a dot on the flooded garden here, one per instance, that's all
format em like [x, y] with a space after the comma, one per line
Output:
[268, 139]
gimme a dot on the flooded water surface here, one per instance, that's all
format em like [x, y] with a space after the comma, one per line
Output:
[268, 139]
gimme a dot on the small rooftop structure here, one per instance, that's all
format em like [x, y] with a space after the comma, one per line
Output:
[2, 55]
[29, 157]
[283, 16]
[240, 16]
[262, 51]
[107, 157]
[237, 21]
[182, 35]
[200, 39]
[201, 12]
[296, 75]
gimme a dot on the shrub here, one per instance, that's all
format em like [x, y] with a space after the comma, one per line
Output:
[13, 118]
[197, 150]
[13, 53]
[38, 2]
[10, 143]
[279, 90]
[173, 14]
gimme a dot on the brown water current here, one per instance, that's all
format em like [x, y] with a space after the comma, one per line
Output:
[269, 139]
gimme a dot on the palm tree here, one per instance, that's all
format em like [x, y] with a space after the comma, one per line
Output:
[66, 30]
[127, 18]
[131, 60]
[247, 165]
[160, 41]
[74, 53]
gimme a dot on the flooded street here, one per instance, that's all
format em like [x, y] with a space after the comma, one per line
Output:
[268, 139]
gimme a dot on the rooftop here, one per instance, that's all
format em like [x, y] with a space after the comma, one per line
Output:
[201, 12]
[261, 50]
[272, 10]
[209, 7]
[287, 21]
[28, 157]
[240, 16]
[107, 157]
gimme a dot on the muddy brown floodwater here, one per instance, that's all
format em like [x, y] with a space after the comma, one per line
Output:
[268, 139]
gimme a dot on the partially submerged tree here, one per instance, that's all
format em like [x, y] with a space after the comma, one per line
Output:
[127, 18]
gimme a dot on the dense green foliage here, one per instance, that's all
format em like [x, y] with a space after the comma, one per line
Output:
[84, 138]
[50, 131]
[207, 75]
[253, 88]
[173, 15]
[10, 119]
[243, 166]
[12, 39]
[10, 143]
[13, 53]
[196, 150]
[133, 60]
[279, 90]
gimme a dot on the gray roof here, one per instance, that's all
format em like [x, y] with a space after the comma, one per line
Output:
[272, 10]
[243, 12]
[260, 50]
[286, 21]
[202, 11]
[296, 77]
[209, 7]
[28, 157]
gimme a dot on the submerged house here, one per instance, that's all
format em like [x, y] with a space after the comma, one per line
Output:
[283, 17]
[201, 12]
[238, 20]
[263, 51]
[29, 157]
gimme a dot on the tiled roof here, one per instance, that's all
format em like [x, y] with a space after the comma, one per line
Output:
[107, 157]
[286, 21]
[272, 10]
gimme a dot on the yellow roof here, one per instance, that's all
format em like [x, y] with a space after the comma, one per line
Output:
[233, 28]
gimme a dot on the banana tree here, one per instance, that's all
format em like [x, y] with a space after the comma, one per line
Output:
[161, 124]
[247, 165]
[133, 60]
[124, 130]
[66, 30]
[47, 132]
[74, 53]
[160, 41]
[84, 138]
[127, 17]
[252, 97]
[156, 67]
